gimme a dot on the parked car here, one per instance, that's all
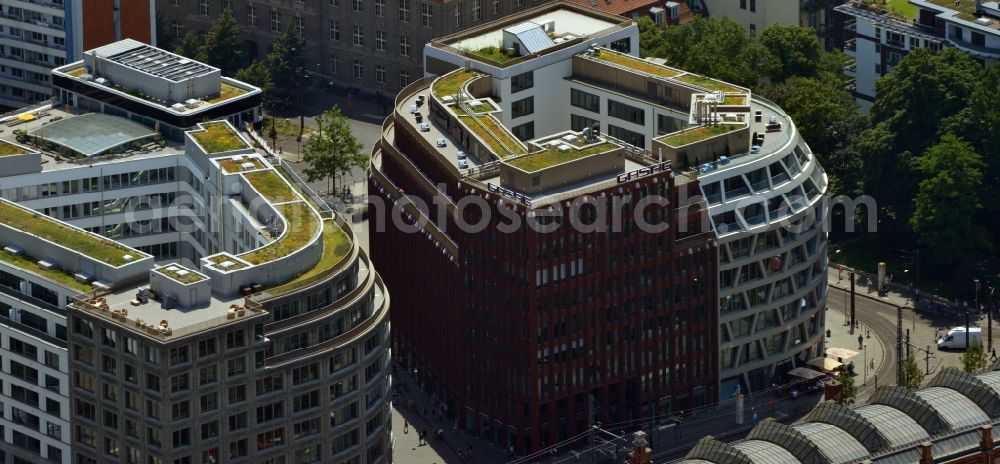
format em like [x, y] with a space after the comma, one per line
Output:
[442, 142]
[461, 155]
[463, 164]
[424, 127]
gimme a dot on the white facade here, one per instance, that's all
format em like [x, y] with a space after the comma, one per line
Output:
[33, 40]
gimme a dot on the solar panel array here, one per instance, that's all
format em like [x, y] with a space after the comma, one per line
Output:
[161, 63]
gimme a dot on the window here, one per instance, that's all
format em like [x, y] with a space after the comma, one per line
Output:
[622, 45]
[458, 16]
[209, 430]
[234, 339]
[203, 7]
[235, 367]
[587, 101]
[152, 382]
[179, 356]
[334, 64]
[207, 375]
[270, 438]
[357, 5]
[180, 410]
[209, 402]
[379, 8]
[270, 412]
[334, 30]
[305, 428]
[523, 107]
[404, 45]
[668, 125]
[404, 79]
[359, 70]
[743, 4]
[522, 82]
[238, 421]
[380, 41]
[251, 16]
[496, 7]
[627, 136]
[578, 123]
[477, 10]
[426, 11]
[358, 35]
[306, 401]
[753, 5]
[404, 11]
[300, 25]
[206, 347]
[275, 21]
[238, 449]
[380, 74]
[269, 384]
[179, 383]
[625, 112]
[524, 131]
[237, 394]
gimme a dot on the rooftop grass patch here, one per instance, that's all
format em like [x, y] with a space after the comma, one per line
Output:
[336, 245]
[236, 165]
[226, 92]
[218, 260]
[707, 83]
[77, 72]
[7, 149]
[301, 225]
[552, 156]
[495, 54]
[271, 186]
[450, 84]
[96, 247]
[218, 137]
[910, 11]
[31, 264]
[176, 274]
[637, 64]
[494, 135]
[698, 134]
[734, 100]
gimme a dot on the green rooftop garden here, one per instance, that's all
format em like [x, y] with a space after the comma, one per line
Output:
[218, 137]
[236, 165]
[301, 223]
[189, 277]
[7, 149]
[637, 64]
[493, 134]
[485, 107]
[225, 93]
[336, 246]
[679, 139]
[450, 84]
[495, 54]
[552, 156]
[217, 260]
[734, 100]
[91, 245]
[707, 83]
[31, 264]
[77, 72]
[271, 186]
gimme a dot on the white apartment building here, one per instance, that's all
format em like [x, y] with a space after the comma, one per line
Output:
[878, 38]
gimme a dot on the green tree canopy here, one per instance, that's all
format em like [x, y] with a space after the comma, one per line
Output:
[913, 376]
[191, 47]
[975, 358]
[796, 48]
[256, 74]
[164, 38]
[222, 45]
[332, 150]
[947, 205]
[286, 63]
[850, 390]
[714, 47]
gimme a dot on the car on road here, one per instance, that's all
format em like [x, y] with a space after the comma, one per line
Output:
[425, 127]
[956, 338]
[442, 142]
[463, 164]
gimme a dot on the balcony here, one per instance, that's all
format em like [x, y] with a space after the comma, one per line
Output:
[851, 46]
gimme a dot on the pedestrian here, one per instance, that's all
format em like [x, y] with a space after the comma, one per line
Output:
[406, 426]
[754, 418]
[422, 435]
[861, 342]
[993, 354]
[873, 365]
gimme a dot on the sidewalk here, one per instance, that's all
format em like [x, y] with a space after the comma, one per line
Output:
[871, 353]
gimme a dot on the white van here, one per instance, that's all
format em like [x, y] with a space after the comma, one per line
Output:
[955, 338]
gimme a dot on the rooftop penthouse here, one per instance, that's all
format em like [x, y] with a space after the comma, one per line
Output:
[155, 84]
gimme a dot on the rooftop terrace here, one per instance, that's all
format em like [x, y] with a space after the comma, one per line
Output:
[697, 134]
[8, 149]
[92, 245]
[301, 226]
[626, 61]
[552, 154]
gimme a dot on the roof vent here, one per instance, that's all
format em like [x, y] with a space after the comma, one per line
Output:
[13, 249]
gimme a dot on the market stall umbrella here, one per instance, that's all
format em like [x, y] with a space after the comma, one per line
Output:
[26, 117]
[805, 373]
[825, 364]
[841, 353]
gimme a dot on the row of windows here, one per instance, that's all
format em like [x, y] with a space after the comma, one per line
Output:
[91, 184]
[358, 71]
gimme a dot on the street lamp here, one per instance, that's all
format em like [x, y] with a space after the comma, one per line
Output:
[840, 266]
[865, 349]
[273, 134]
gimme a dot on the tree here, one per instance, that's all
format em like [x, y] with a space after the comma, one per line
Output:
[332, 150]
[796, 48]
[256, 74]
[164, 38]
[850, 390]
[948, 203]
[222, 46]
[913, 376]
[974, 359]
[286, 63]
[714, 47]
[191, 47]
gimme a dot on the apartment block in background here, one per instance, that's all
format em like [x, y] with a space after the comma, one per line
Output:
[757, 15]
[375, 45]
[38, 35]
